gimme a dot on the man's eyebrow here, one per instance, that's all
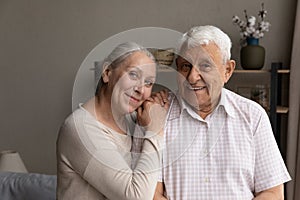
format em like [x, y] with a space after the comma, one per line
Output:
[185, 59]
[201, 59]
[207, 60]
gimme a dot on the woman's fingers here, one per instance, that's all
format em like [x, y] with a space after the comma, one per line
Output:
[160, 97]
[151, 115]
[143, 113]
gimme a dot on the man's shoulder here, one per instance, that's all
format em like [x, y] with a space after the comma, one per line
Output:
[175, 108]
[236, 101]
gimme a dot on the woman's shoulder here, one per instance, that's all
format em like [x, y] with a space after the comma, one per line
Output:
[74, 117]
[72, 122]
[83, 124]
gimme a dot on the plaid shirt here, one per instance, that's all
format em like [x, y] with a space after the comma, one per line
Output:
[232, 154]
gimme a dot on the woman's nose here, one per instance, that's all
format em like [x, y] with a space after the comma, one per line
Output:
[140, 88]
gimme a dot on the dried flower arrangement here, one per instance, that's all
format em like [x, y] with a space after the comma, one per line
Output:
[249, 28]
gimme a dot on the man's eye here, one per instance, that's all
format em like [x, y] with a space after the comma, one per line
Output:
[133, 75]
[186, 67]
[205, 67]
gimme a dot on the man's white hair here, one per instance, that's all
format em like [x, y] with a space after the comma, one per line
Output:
[203, 35]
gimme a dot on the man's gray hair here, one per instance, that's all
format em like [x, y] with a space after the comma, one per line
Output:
[203, 35]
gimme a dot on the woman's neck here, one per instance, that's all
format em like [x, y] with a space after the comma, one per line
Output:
[100, 107]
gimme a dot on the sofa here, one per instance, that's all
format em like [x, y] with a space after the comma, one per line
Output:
[27, 186]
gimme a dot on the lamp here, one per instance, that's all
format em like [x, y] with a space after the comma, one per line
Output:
[11, 161]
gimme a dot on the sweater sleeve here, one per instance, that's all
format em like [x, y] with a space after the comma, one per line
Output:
[104, 167]
[108, 172]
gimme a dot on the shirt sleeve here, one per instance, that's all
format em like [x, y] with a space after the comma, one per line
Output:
[270, 169]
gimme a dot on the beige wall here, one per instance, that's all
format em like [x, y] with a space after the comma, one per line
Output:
[42, 44]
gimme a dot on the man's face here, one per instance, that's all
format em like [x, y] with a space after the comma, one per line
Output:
[202, 74]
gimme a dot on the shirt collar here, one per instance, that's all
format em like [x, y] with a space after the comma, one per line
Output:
[222, 103]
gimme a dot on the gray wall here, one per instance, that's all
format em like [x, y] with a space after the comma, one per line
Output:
[43, 43]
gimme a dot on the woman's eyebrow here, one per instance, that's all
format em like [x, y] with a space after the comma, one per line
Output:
[151, 77]
[133, 67]
[140, 71]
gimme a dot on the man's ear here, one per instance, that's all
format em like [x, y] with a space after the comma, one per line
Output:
[230, 66]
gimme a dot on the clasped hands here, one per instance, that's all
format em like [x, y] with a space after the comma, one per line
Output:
[152, 114]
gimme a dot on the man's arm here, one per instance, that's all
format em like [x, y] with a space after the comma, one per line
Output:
[275, 193]
[159, 192]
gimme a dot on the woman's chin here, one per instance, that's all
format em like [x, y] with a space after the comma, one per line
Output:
[126, 108]
[131, 109]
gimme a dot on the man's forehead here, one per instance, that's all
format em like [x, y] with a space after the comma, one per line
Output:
[195, 53]
[200, 52]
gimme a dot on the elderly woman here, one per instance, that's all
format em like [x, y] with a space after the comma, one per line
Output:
[94, 148]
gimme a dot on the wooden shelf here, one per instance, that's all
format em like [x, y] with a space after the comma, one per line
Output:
[283, 71]
[243, 71]
[282, 109]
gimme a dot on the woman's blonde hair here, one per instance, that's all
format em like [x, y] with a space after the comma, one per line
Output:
[118, 56]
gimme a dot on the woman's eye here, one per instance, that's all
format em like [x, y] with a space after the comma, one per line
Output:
[133, 75]
[149, 83]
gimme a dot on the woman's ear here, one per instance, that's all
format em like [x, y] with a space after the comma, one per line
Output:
[230, 66]
[106, 73]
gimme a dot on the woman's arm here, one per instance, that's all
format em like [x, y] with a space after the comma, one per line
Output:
[96, 158]
[159, 192]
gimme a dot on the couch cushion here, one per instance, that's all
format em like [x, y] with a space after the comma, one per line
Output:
[29, 186]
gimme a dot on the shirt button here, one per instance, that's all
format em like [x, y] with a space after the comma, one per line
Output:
[206, 179]
[205, 151]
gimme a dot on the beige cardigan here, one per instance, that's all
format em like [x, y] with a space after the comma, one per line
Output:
[94, 162]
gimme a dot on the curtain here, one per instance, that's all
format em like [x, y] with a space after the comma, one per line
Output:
[293, 135]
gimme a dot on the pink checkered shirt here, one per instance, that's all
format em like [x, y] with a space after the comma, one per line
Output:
[230, 155]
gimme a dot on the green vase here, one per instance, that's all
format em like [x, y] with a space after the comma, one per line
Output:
[252, 55]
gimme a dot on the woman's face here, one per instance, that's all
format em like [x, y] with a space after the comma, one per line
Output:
[130, 83]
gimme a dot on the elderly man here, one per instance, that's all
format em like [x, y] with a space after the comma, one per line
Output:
[218, 145]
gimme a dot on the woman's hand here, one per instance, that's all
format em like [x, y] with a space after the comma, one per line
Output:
[161, 97]
[152, 114]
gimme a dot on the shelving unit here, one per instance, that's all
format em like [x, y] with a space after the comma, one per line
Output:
[276, 108]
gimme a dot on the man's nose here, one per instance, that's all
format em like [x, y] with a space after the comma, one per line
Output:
[194, 75]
